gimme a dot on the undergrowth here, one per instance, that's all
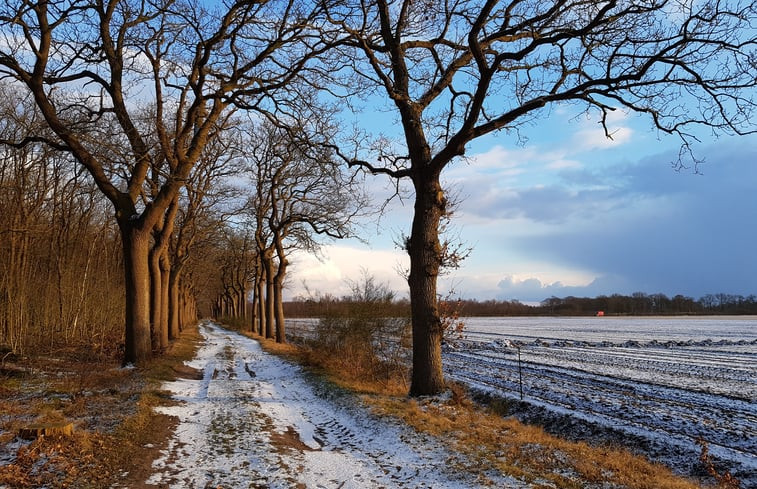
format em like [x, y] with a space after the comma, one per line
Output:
[111, 409]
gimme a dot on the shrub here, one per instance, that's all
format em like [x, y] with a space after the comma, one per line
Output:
[363, 337]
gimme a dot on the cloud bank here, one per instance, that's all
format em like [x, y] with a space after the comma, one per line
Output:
[636, 226]
[577, 214]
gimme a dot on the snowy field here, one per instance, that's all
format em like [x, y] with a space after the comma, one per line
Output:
[658, 384]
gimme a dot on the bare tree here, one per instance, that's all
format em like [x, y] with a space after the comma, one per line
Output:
[89, 65]
[200, 214]
[238, 262]
[301, 192]
[454, 71]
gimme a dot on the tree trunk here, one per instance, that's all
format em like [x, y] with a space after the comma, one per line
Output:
[241, 301]
[278, 287]
[173, 302]
[254, 304]
[425, 260]
[231, 302]
[188, 313]
[155, 297]
[269, 315]
[159, 266]
[165, 271]
[261, 300]
[240, 287]
[183, 316]
[279, 305]
[136, 246]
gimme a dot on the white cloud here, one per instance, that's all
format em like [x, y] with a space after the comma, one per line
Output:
[498, 157]
[591, 135]
[534, 290]
[564, 164]
[592, 139]
[341, 263]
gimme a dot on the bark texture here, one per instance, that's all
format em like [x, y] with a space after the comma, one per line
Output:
[136, 243]
[425, 261]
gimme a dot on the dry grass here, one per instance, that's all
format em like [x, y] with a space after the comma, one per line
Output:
[282, 349]
[116, 429]
[357, 372]
[524, 451]
[350, 367]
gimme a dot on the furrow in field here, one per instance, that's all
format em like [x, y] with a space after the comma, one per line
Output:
[674, 411]
[644, 368]
[660, 443]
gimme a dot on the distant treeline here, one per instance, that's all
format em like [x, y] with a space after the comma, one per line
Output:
[635, 304]
[335, 307]
[640, 303]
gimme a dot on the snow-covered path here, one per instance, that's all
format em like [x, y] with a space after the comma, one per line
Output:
[255, 420]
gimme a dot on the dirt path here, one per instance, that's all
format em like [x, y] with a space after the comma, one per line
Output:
[255, 420]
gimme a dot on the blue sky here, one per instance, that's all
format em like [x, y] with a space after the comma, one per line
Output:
[570, 212]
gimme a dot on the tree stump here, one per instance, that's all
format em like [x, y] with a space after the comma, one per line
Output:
[32, 432]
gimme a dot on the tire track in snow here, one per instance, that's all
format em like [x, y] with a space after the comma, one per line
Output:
[255, 420]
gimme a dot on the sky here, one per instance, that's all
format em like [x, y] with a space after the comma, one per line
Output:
[571, 212]
[563, 210]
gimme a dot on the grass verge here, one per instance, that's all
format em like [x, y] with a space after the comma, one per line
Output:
[526, 452]
[117, 433]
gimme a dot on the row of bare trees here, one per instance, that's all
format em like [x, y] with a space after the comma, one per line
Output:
[294, 193]
[640, 303]
[61, 254]
[135, 92]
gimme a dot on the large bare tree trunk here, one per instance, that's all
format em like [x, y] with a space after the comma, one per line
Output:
[425, 260]
[136, 245]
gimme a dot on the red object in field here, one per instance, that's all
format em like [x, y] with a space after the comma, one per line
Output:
[600, 313]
